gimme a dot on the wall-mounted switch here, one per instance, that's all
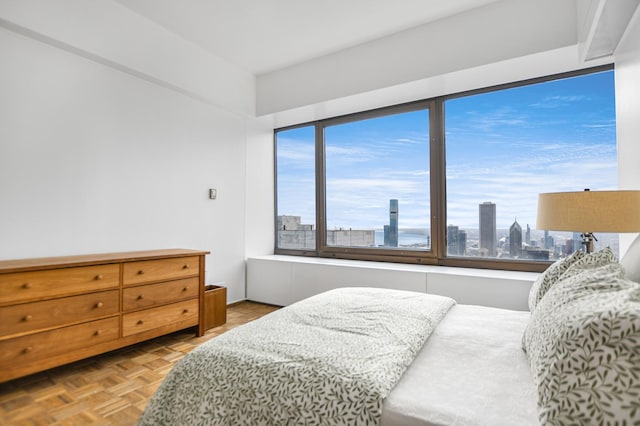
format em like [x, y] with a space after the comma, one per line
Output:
[213, 193]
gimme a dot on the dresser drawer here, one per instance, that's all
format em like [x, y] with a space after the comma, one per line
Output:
[184, 312]
[146, 296]
[34, 347]
[56, 312]
[25, 286]
[158, 270]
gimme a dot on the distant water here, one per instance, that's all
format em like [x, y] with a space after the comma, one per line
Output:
[405, 238]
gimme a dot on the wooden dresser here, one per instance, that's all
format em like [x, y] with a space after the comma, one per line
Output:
[61, 309]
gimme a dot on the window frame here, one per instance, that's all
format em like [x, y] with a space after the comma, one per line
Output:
[437, 255]
[293, 252]
[363, 253]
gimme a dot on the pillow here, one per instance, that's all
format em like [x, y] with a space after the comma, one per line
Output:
[590, 261]
[631, 261]
[583, 345]
[549, 277]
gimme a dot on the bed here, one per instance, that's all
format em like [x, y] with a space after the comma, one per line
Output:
[473, 363]
[377, 356]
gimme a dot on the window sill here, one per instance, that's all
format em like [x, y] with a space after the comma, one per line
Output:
[282, 280]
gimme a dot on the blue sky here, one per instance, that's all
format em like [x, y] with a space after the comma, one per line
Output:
[504, 147]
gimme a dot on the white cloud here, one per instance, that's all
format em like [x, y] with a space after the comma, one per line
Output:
[559, 101]
[514, 185]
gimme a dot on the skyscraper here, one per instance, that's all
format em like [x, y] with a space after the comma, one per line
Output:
[569, 246]
[452, 239]
[548, 241]
[462, 242]
[456, 241]
[515, 239]
[393, 223]
[488, 229]
[391, 230]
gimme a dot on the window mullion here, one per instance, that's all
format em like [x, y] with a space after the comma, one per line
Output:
[438, 180]
[321, 226]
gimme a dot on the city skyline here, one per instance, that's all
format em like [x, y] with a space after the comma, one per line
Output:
[514, 243]
[505, 147]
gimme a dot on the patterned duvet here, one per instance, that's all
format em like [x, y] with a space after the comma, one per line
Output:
[329, 359]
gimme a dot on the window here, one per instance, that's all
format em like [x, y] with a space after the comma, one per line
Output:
[296, 189]
[505, 147]
[377, 182]
[452, 180]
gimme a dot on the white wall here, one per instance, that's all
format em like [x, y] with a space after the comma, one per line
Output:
[260, 219]
[94, 159]
[496, 32]
[109, 33]
[627, 74]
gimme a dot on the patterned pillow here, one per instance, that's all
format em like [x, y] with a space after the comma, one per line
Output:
[583, 345]
[590, 261]
[550, 276]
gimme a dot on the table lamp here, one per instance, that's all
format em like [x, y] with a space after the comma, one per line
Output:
[588, 212]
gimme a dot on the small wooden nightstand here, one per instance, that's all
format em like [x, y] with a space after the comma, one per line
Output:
[215, 306]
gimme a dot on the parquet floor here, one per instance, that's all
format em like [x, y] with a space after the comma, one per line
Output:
[109, 389]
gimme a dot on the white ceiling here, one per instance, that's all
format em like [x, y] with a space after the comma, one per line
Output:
[261, 36]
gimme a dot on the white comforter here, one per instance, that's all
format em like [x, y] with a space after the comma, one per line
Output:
[329, 359]
[471, 371]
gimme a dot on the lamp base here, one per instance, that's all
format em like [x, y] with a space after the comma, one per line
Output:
[588, 241]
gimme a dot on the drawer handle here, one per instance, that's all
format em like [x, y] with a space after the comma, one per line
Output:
[27, 318]
[185, 311]
[26, 285]
[27, 350]
[98, 277]
[99, 305]
[140, 322]
[185, 267]
[140, 297]
[140, 272]
[97, 332]
[184, 289]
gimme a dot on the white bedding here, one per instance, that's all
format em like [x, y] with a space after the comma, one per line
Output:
[471, 371]
[328, 359]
